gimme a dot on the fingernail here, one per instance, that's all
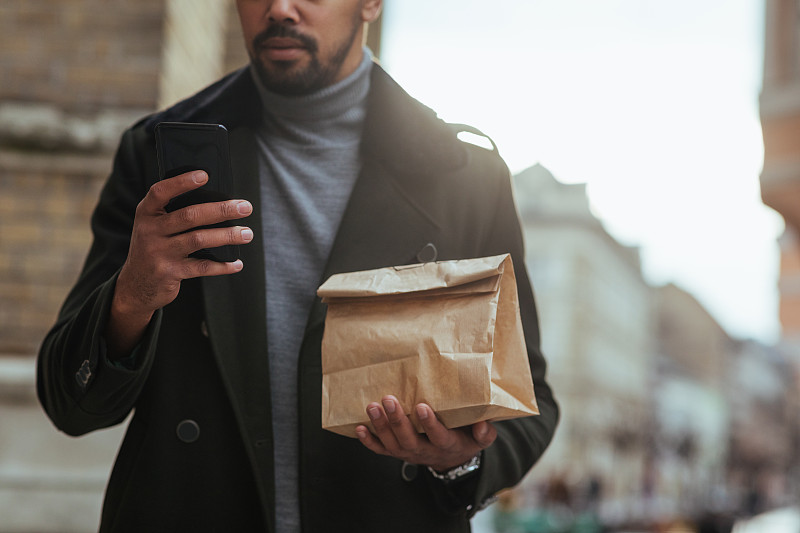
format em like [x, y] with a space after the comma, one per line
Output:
[390, 406]
[238, 265]
[483, 430]
[247, 234]
[199, 177]
[244, 208]
[422, 413]
[374, 413]
[361, 432]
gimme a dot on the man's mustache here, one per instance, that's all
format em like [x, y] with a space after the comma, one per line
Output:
[282, 30]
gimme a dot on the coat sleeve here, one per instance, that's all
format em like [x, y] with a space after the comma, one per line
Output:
[79, 387]
[520, 442]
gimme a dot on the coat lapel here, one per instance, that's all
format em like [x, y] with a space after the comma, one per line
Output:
[387, 221]
[235, 307]
[236, 318]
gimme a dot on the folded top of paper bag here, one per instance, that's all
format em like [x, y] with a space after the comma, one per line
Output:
[411, 278]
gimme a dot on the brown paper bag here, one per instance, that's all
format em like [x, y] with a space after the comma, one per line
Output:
[447, 334]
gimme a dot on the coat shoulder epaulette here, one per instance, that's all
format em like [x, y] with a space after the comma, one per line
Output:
[474, 136]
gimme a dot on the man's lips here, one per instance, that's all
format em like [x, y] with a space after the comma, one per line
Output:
[283, 48]
[282, 42]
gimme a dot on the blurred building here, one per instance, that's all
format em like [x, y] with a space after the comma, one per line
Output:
[780, 177]
[780, 182]
[763, 460]
[597, 327]
[664, 414]
[692, 417]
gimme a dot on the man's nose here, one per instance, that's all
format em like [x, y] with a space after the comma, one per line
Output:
[283, 11]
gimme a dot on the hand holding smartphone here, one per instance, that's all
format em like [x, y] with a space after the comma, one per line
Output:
[183, 147]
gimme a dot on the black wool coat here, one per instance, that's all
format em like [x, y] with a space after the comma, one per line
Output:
[198, 453]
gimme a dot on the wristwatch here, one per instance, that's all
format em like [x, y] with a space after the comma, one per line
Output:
[459, 471]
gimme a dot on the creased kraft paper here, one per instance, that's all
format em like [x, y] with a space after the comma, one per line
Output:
[447, 334]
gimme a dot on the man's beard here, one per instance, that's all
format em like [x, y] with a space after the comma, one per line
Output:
[279, 77]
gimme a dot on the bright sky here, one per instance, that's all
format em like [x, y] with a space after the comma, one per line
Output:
[652, 103]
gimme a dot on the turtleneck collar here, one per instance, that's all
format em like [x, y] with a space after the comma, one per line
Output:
[328, 103]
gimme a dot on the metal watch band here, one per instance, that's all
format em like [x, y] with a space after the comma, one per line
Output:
[459, 471]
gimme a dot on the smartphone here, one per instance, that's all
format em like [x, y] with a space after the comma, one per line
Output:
[183, 147]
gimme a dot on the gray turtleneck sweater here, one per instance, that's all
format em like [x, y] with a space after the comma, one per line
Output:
[308, 163]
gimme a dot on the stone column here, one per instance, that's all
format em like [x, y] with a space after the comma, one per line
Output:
[194, 47]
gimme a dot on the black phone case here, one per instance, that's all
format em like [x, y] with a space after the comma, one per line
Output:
[183, 147]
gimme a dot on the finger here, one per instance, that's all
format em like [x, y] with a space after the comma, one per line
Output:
[369, 440]
[484, 433]
[163, 191]
[437, 433]
[187, 243]
[196, 268]
[406, 435]
[383, 430]
[205, 214]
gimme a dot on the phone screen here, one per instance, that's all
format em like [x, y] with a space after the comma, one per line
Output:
[182, 147]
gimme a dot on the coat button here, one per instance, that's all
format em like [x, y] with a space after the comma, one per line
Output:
[428, 253]
[408, 471]
[188, 431]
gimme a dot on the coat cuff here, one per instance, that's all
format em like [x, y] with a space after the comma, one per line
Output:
[104, 382]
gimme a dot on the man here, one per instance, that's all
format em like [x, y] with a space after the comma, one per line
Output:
[335, 169]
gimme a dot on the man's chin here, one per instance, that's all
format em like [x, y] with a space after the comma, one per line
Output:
[289, 78]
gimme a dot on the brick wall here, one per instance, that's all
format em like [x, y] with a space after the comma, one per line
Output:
[81, 54]
[74, 74]
[45, 203]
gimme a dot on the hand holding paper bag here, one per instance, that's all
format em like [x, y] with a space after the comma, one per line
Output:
[440, 448]
[446, 334]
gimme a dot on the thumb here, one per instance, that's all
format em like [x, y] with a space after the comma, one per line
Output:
[484, 433]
